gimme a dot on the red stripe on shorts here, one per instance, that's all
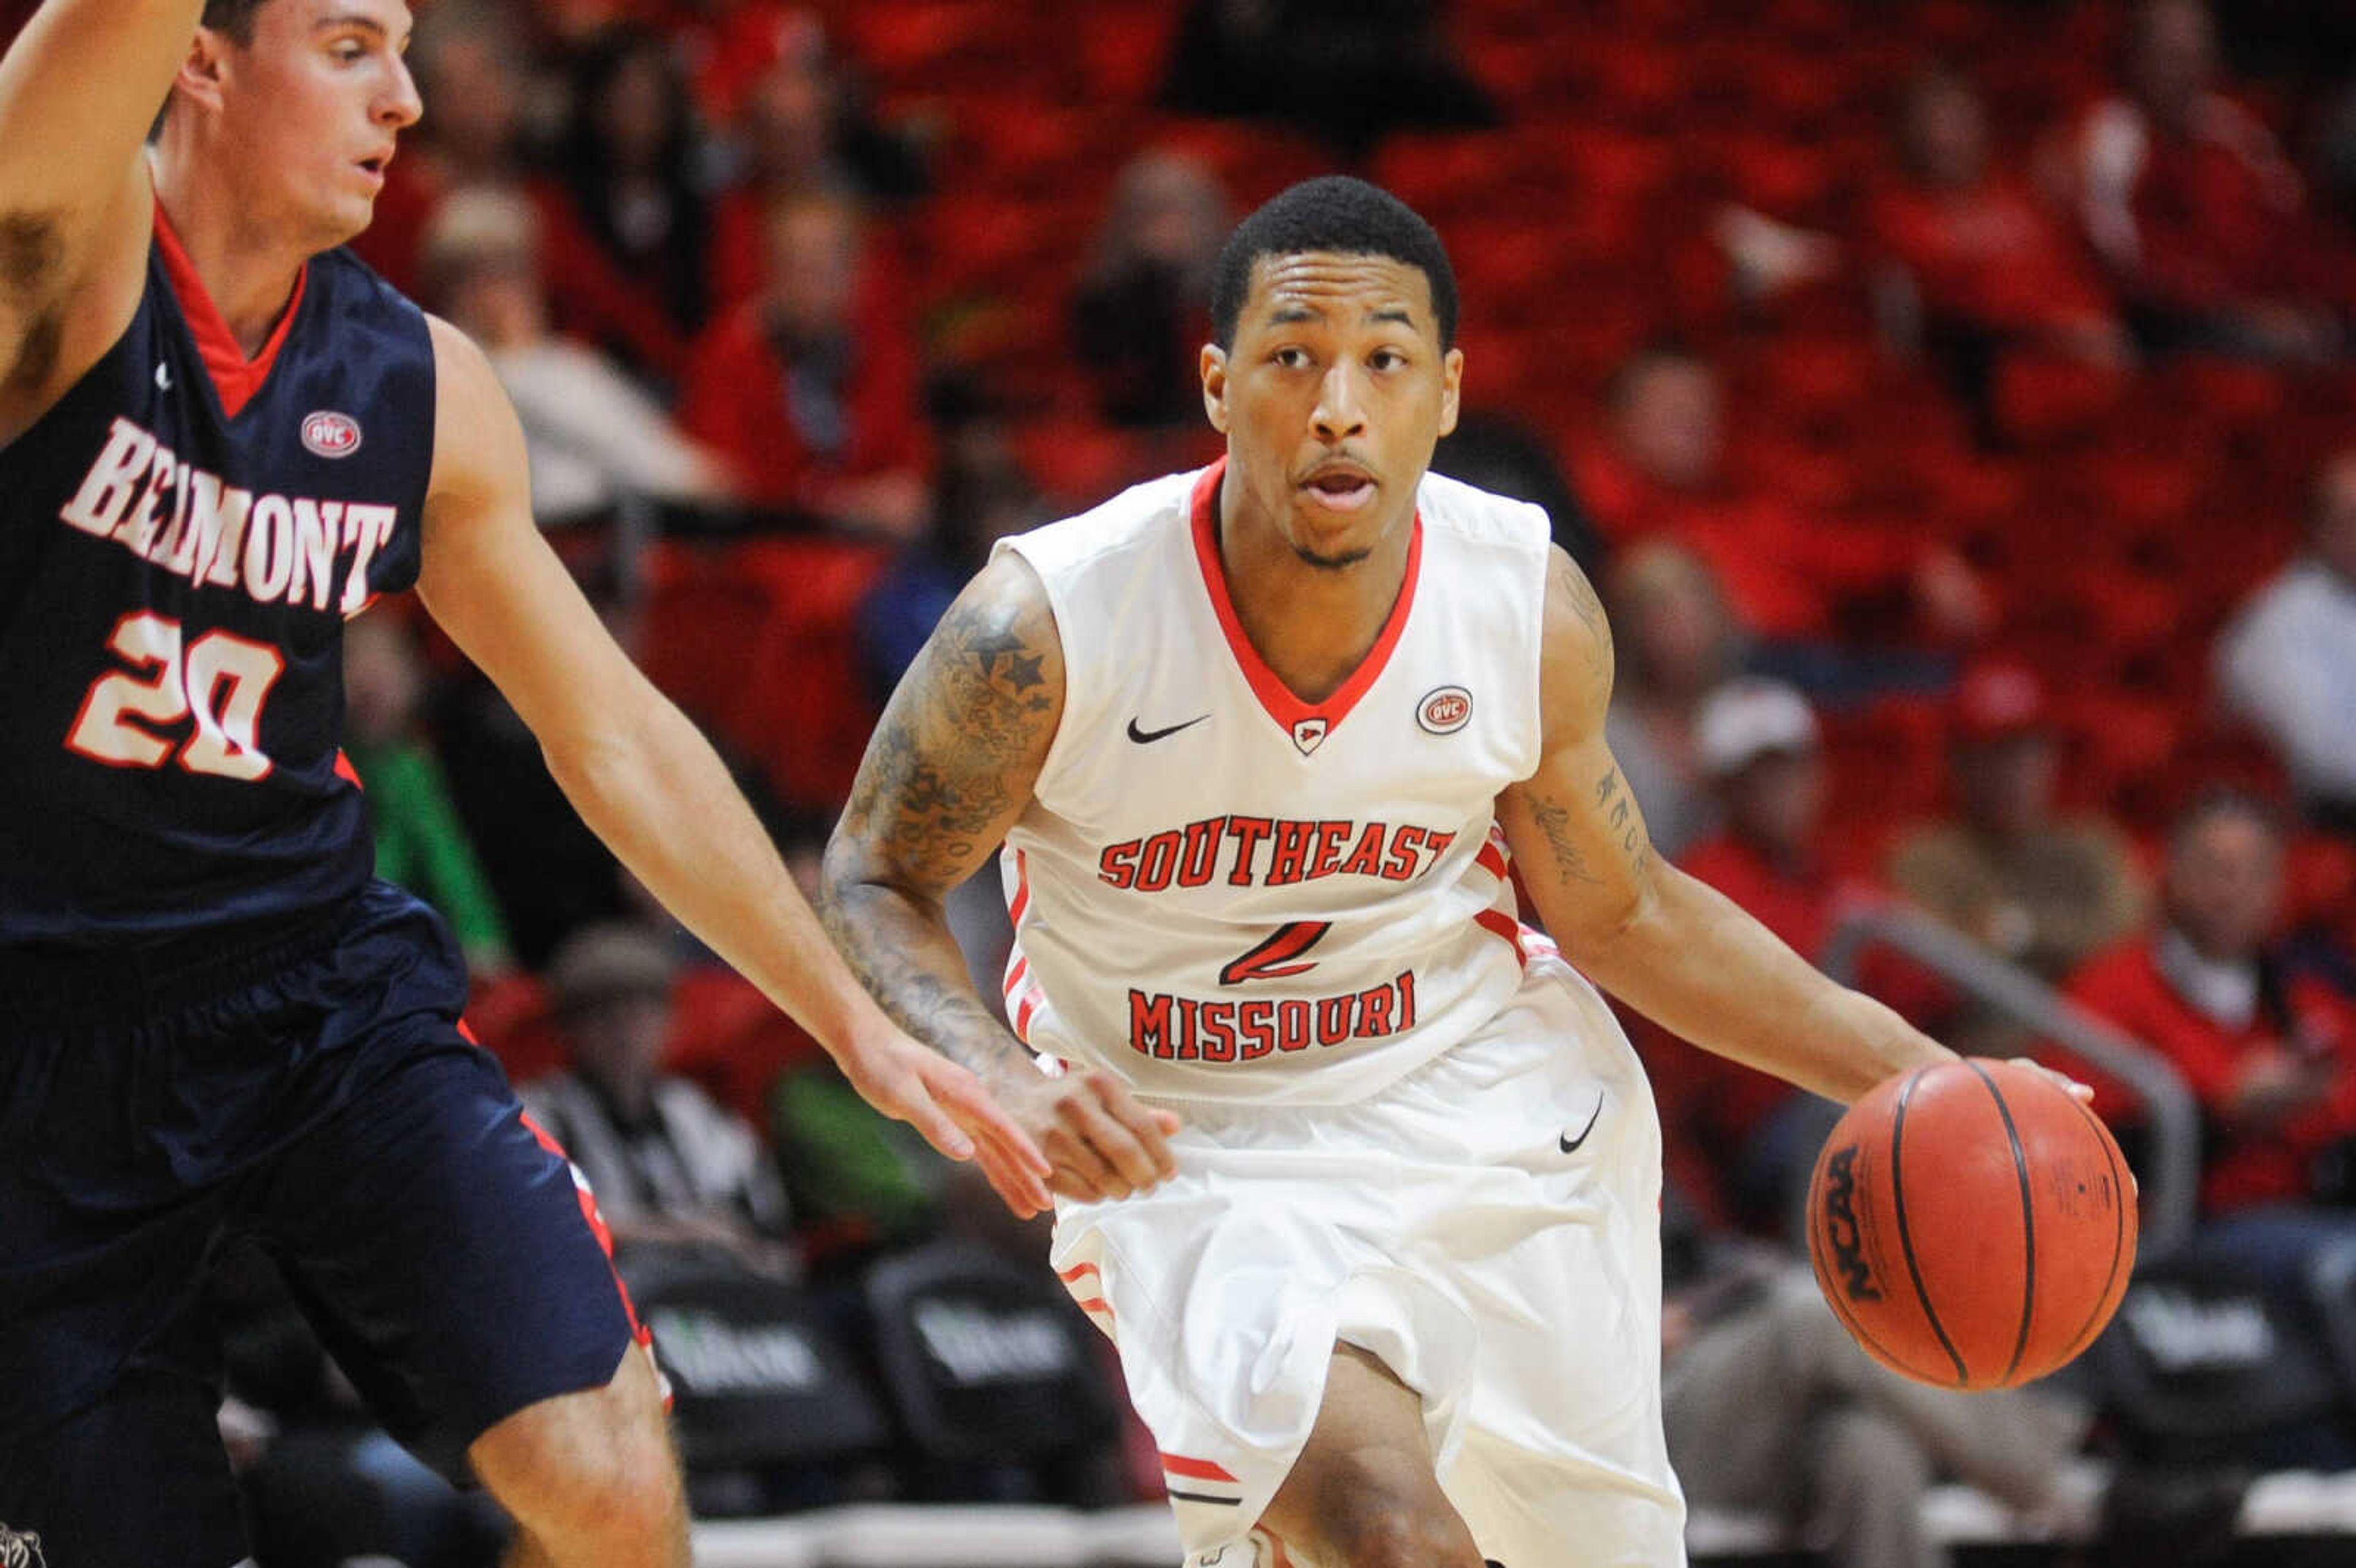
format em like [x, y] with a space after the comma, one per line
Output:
[1195, 1469]
[597, 1227]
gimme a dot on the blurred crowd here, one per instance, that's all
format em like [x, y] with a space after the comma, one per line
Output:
[1954, 399]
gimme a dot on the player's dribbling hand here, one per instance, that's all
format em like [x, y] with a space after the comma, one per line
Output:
[2082, 1092]
[1102, 1141]
[912, 1083]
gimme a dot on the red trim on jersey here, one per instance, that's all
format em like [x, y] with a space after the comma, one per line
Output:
[1024, 1015]
[1195, 1469]
[1072, 1276]
[349, 773]
[235, 377]
[1022, 903]
[1287, 710]
[1497, 922]
[1014, 977]
[1492, 859]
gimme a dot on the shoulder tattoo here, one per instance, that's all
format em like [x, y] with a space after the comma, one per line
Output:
[963, 729]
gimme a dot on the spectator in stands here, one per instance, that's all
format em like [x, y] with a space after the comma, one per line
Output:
[1973, 262]
[983, 494]
[2288, 664]
[470, 63]
[796, 126]
[2189, 200]
[597, 442]
[2027, 884]
[1770, 1407]
[1348, 71]
[1756, 741]
[668, 1166]
[419, 841]
[1502, 455]
[1141, 314]
[1677, 641]
[1662, 470]
[810, 388]
[630, 175]
[2270, 1056]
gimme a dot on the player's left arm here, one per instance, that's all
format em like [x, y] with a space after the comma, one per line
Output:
[1672, 947]
[647, 782]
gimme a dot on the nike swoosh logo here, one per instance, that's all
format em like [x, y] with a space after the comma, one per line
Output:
[1147, 737]
[1571, 1145]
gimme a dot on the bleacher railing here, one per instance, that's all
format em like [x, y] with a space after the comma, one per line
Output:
[2171, 1180]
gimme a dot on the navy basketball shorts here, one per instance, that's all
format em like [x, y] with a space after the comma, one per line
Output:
[315, 1092]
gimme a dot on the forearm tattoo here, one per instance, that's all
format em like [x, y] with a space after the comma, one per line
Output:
[947, 767]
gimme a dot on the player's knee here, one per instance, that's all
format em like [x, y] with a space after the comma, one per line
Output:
[1383, 1513]
[596, 1466]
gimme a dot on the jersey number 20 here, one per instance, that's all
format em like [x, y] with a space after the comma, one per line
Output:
[220, 681]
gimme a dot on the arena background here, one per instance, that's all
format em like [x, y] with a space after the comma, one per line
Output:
[1969, 444]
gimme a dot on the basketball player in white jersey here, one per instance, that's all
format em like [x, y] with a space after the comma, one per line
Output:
[1261, 743]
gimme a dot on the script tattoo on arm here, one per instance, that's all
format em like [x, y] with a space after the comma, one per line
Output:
[1554, 820]
[949, 768]
[1616, 805]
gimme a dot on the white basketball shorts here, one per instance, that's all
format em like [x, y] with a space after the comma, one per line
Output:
[1489, 1226]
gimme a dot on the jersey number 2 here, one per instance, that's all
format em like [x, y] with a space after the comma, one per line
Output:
[1280, 954]
[220, 681]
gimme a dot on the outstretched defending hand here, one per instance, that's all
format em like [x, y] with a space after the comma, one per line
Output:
[912, 1083]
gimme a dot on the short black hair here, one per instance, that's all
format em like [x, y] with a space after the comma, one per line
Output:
[234, 18]
[1335, 213]
[2230, 802]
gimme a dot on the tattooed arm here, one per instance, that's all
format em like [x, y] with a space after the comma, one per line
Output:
[946, 773]
[1673, 948]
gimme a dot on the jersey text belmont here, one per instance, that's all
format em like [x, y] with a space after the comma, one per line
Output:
[184, 520]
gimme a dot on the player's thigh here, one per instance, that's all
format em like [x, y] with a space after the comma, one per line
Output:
[442, 1250]
[138, 1477]
[1363, 1494]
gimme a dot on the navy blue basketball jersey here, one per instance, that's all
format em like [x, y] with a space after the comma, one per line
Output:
[180, 549]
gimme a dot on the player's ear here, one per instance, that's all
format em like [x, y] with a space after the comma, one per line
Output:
[1452, 384]
[1215, 386]
[199, 81]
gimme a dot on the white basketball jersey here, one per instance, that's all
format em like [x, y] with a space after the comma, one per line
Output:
[1223, 892]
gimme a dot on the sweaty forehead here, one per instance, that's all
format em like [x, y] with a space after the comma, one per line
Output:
[1339, 290]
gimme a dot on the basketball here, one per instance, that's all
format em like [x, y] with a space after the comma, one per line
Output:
[1972, 1224]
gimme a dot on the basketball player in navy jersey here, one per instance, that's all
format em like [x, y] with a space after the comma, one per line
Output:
[220, 438]
[1389, 1296]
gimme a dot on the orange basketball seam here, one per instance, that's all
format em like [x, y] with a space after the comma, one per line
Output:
[1905, 1233]
[2098, 1316]
[2027, 1221]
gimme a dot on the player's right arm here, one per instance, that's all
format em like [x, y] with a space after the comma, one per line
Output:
[79, 89]
[948, 772]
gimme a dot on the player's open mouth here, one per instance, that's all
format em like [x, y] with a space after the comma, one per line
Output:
[1343, 490]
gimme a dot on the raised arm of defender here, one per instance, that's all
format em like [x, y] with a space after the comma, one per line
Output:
[948, 772]
[1672, 947]
[79, 89]
[646, 780]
